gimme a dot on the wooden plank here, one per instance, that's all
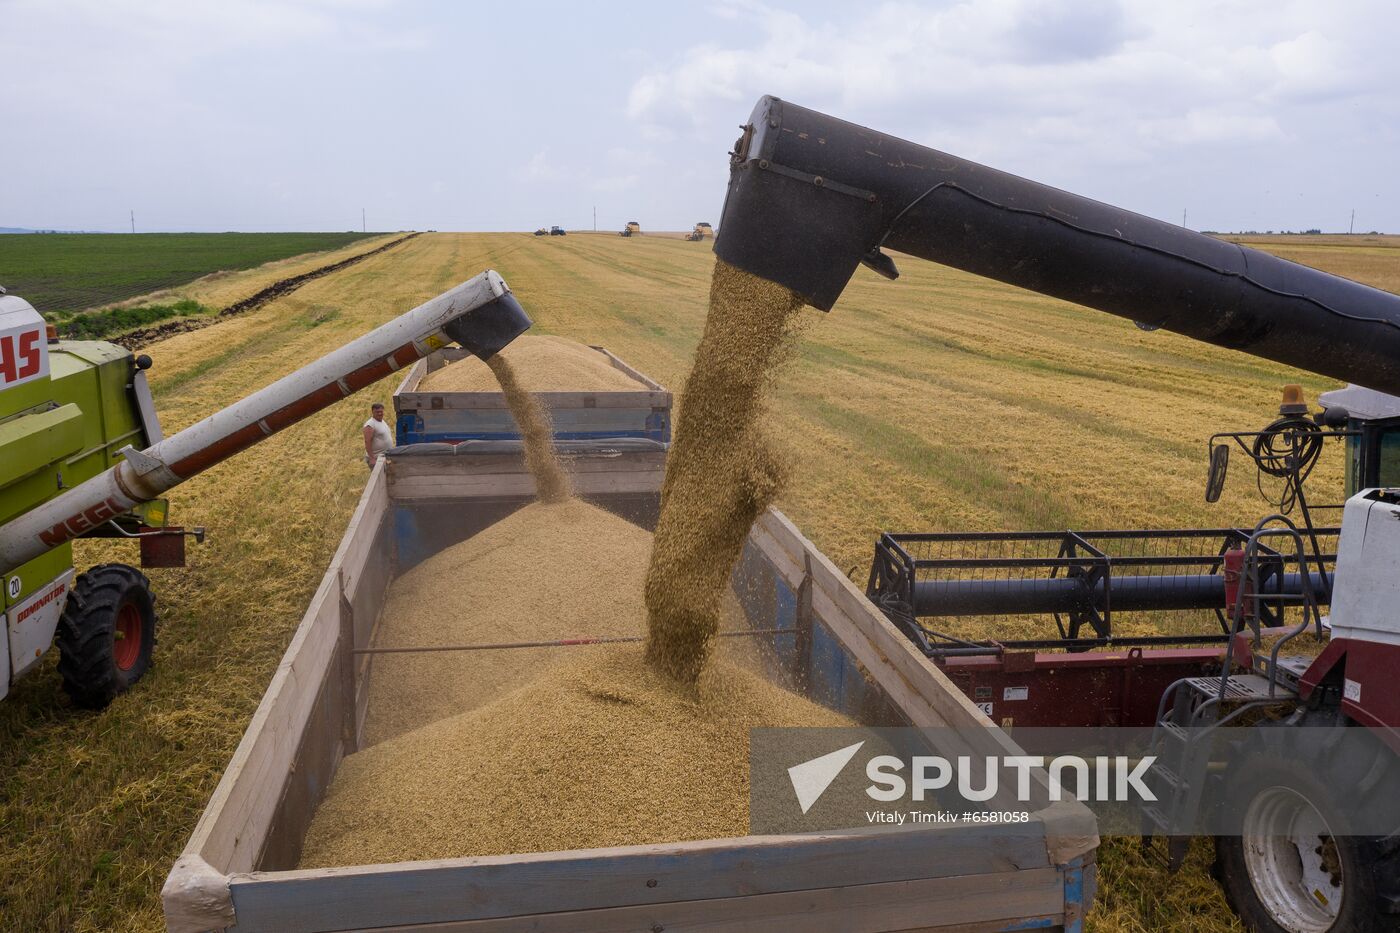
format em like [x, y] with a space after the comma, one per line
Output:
[346, 674]
[641, 377]
[921, 691]
[504, 886]
[950, 905]
[954, 709]
[931, 698]
[319, 751]
[473, 478]
[231, 831]
[362, 534]
[410, 381]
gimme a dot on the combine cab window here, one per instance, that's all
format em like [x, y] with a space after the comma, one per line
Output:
[1374, 457]
[1389, 452]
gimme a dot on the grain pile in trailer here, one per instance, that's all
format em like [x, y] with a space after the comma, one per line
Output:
[601, 751]
[514, 751]
[543, 364]
[544, 572]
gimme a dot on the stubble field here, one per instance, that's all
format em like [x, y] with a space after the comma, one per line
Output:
[937, 402]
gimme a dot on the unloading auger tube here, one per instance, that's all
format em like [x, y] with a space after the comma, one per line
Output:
[811, 196]
[481, 314]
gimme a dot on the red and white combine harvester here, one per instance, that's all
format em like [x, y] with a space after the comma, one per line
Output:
[1282, 638]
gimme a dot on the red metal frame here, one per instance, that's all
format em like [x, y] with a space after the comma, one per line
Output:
[1090, 688]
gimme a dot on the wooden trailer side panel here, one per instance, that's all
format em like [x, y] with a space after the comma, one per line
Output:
[536, 885]
[958, 877]
[291, 747]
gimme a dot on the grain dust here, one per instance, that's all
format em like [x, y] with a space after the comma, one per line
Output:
[543, 364]
[605, 751]
[721, 473]
[536, 433]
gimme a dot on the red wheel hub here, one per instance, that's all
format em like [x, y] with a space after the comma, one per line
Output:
[127, 646]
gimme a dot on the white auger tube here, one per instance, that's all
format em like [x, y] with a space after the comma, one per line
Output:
[480, 314]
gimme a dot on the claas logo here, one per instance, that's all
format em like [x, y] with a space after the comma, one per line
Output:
[22, 355]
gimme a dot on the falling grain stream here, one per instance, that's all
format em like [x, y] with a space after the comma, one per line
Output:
[721, 473]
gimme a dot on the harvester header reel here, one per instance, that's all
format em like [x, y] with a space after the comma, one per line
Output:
[1083, 580]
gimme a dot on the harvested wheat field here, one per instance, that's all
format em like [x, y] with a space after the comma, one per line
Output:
[938, 402]
[542, 364]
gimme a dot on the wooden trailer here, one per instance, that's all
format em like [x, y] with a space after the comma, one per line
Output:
[237, 872]
[428, 416]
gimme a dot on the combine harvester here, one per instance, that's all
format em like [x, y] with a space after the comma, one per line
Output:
[83, 456]
[1297, 863]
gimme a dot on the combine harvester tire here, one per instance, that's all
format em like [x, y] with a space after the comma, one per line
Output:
[1298, 866]
[107, 634]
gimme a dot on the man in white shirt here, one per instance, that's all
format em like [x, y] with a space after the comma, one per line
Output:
[378, 437]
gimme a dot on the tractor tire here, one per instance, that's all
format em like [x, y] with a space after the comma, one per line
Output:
[106, 635]
[1348, 883]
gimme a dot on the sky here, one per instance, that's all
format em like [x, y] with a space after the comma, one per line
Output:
[255, 115]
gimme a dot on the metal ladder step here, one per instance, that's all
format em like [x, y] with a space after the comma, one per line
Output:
[1241, 688]
[1167, 776]
[1294, 666]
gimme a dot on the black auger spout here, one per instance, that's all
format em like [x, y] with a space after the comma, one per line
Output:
[810, 197]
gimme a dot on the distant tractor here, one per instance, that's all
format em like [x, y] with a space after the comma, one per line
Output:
[543, 231]
[701, 231]
[557, 231]
[82, 455]
[632, 229]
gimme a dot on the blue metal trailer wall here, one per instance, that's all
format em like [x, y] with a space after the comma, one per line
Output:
[424, 416]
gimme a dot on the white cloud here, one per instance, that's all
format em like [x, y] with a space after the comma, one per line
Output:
[539, 168]
[1059, 89]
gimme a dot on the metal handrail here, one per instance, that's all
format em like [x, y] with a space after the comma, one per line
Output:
[1251, 572]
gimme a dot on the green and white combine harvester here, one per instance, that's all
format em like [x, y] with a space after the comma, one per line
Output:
[82, 456]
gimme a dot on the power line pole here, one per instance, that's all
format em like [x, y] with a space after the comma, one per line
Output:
[595, 218]
[1351, 227]
[1183, 216]
[363, 228]
[133, 220]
